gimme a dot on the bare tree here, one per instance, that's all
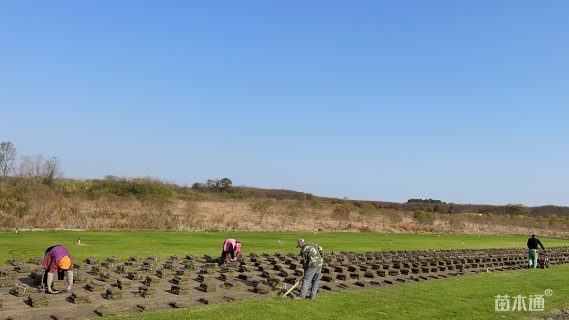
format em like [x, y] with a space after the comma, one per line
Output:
[51, 170]
[38, 167]
[7, 157]
[31, 166]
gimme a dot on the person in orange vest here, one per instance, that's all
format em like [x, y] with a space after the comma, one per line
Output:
[231, 251]
[57, 258]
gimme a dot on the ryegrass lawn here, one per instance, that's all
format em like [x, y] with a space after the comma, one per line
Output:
[124, 244]
[466, 297]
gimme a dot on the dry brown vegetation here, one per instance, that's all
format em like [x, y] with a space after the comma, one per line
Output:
[149, 204]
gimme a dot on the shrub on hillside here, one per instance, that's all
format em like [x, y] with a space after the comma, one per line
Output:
[142, 189]
[278, 194]
[68, 187]
[424, 217]
[340, 212]
[25, 193]
[350, 206]
[368, 209]
[293, 208]
[456, 221]
[515, 209]
[234, 194]
[264, 206]
[315, 204]
[392, 215]
[13, 207]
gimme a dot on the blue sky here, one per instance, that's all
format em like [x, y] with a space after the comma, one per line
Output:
[463, 101]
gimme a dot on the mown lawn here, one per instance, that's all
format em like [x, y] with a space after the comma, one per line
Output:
[124, 244]
[466, 297]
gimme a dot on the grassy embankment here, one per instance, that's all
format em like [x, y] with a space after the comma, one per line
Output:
[147, 204]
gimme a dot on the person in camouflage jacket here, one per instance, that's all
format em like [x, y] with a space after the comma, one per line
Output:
[311, 256]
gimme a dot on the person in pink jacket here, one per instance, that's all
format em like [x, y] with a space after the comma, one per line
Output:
[231, 251]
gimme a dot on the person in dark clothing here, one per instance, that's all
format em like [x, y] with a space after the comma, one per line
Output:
[533, 251]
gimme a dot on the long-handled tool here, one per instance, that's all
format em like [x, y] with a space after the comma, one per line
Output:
[289, 290]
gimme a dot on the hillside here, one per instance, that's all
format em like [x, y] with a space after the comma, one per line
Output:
[114, 203]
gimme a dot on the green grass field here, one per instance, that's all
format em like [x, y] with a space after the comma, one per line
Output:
[467, 297]
[164, 244]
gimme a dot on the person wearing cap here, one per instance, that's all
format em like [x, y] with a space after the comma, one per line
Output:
[231, 251]
[533, 251]
[311, 256]
[57, 258]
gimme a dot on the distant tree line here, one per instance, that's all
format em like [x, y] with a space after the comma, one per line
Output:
[224, 185]
[456, 208]
[424, 201]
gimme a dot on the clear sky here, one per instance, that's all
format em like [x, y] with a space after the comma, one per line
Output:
[462, 101]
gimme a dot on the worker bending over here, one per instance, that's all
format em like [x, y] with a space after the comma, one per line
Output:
[231, 251]
[57, 258]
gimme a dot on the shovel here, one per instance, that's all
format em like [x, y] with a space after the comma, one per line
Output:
[289, 290]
